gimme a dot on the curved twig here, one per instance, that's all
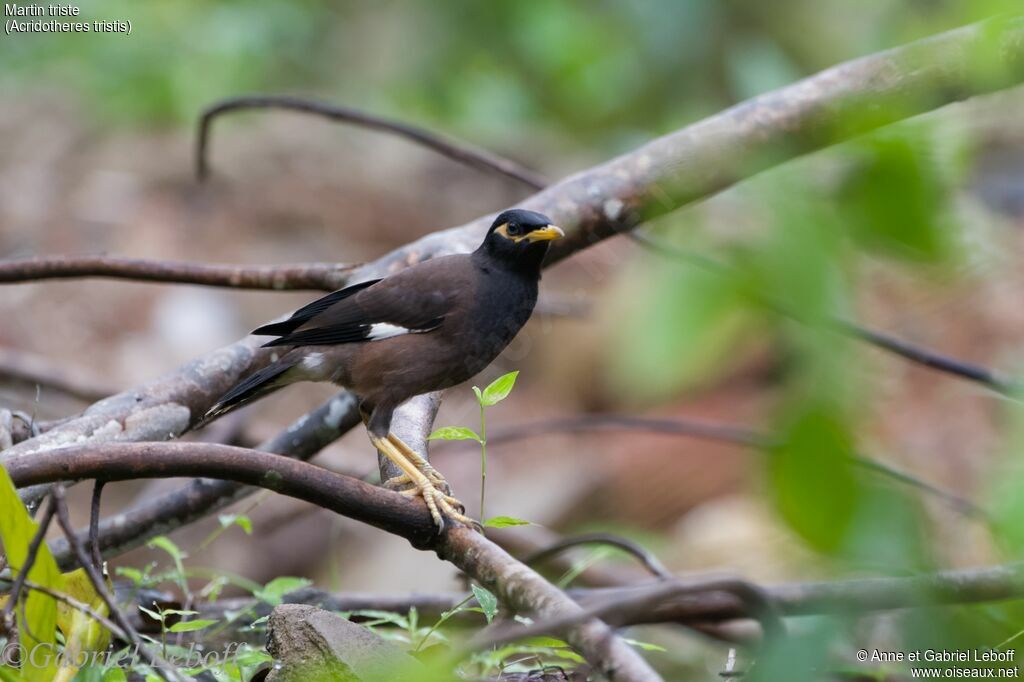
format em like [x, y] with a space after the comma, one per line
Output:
[468, 155]
[301, 276]
[646, 558]
[344, 495]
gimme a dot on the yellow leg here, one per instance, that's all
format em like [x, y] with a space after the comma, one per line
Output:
[423, 465]
[437, 501]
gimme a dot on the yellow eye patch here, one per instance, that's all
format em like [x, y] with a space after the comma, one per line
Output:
[503, 231]
[543, 234]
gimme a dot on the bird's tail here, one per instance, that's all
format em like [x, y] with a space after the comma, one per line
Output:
[256, 385]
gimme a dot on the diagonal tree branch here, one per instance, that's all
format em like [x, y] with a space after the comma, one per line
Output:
[131, 528]
[517, 586]
[461, 152]
[302, 276]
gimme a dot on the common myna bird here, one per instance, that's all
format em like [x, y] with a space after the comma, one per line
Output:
[426, 328]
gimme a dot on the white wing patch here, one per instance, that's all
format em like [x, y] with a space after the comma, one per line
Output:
[383, 330]
[312, 362]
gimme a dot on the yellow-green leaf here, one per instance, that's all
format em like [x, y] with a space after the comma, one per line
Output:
[454, 433]
[488, 602]
[505, 522]
[498, 389]
[191, 625]
[39, 617]
[82, 634]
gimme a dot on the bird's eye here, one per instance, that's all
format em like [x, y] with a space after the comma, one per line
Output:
[513, 230]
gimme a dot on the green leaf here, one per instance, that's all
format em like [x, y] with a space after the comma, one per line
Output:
[179, 612]
[8, 674]
[115, 675]
[644, 646]
[166, 544]
[813, 481]
[498, 389]
[133, 574]
[544, 641]
[676, 326]
[38, 619]
[488, 602]
[895, 199]
[383, 617]
[505, 522]
[155, 615]
[454, 433]
[191, 625]
[240, 520]
[274, 591]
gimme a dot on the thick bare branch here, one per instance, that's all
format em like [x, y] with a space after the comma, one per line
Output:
[130, 461]
[301, 276]
[515, 584]
[463, 153]
[520, 588]
[166, 513]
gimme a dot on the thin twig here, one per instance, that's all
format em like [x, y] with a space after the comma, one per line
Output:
[30, 560]
[162, 667]
[914, 353]
[301, 276]
[94, 524]
[933, 360]
[35, 370]
[711, 431]
[472, 156]
[635, 605]
[646, 558]
[113, 627]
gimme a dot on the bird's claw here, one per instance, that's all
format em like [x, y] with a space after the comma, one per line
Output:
[439, 503]
[402, 482]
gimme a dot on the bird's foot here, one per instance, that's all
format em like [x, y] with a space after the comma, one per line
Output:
[440, 504]
[422, 464]
[421, 480]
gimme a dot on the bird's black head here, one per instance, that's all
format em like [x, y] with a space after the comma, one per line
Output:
[520, 239]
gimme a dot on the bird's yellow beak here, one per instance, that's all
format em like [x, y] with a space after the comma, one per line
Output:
[546, 234]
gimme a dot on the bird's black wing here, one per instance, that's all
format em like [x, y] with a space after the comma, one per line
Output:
[412, 301]
[310, 310]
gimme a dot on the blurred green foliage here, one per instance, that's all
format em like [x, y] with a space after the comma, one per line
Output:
[600, 75]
